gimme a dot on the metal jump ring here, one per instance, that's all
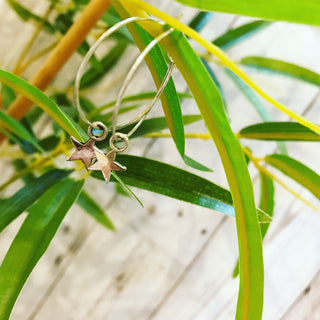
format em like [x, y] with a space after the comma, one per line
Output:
[97, 126]
[117, 137]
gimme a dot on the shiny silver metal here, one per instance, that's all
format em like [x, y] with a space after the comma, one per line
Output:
[100, 126]
[118, 136]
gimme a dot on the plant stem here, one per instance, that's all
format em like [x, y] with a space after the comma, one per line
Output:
[59, 56]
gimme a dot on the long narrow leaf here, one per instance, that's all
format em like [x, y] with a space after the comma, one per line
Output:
[27, 15]
[169, 98]
[7, 95]
[93, 209]
[92, 76]
[290, 131]
[234, 36]
[282, 67]
[161, 178]
[266, 204]
[40, 99]
[131, 98]
[28, 195]
[209, 101]
[200, 20]
[296, 171]
[16, 127]
[287, 10]
[255, 102]
[33, 239]
[158, 124]
[266, 199]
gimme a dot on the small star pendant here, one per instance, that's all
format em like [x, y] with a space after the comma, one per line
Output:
[106, 163]
[84, 151]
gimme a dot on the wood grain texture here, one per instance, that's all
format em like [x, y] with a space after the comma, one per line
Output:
[173, 260]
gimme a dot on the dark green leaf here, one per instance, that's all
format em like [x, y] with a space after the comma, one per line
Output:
[16, 127]
[111, 17]
[33, 240]
[92, 76]
[173, 182]
[28, 195]
[279, 131]
[282, 67]
[40, 99]
[169, 98]
[27, 15]
[296, 171]
[19, 165]
[8, 96]
[200, 20]
[234, 36]
[49, 143]
[93, 209]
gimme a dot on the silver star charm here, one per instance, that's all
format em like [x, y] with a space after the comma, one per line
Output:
[106, 164]
[84, 151]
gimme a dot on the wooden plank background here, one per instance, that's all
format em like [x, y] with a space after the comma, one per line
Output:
[171, 260]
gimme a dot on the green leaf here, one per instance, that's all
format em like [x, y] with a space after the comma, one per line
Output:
[159, 124]
[8, 96]
[173, 182]
[39, 98]
[33, 239]
[92, 76]
[125, 188]
[200, 20]
[255, 102]
[195, 164]
[290, 131]
[282, 67]
[287, 10]
[266, 207]
[266, 199]
[207, 96]
[135, 97]
[169, 97]
[216, 82]
[27, 15]
[28, 195]
[250, 95]
[111, 17]
[210, 104]
[161, 178]
[16, 127]
[234, 36]
[93, 209]
[296, 171]
[107, 117]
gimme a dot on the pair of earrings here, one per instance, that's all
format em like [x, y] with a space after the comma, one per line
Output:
[95, 159]
[91, 156]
